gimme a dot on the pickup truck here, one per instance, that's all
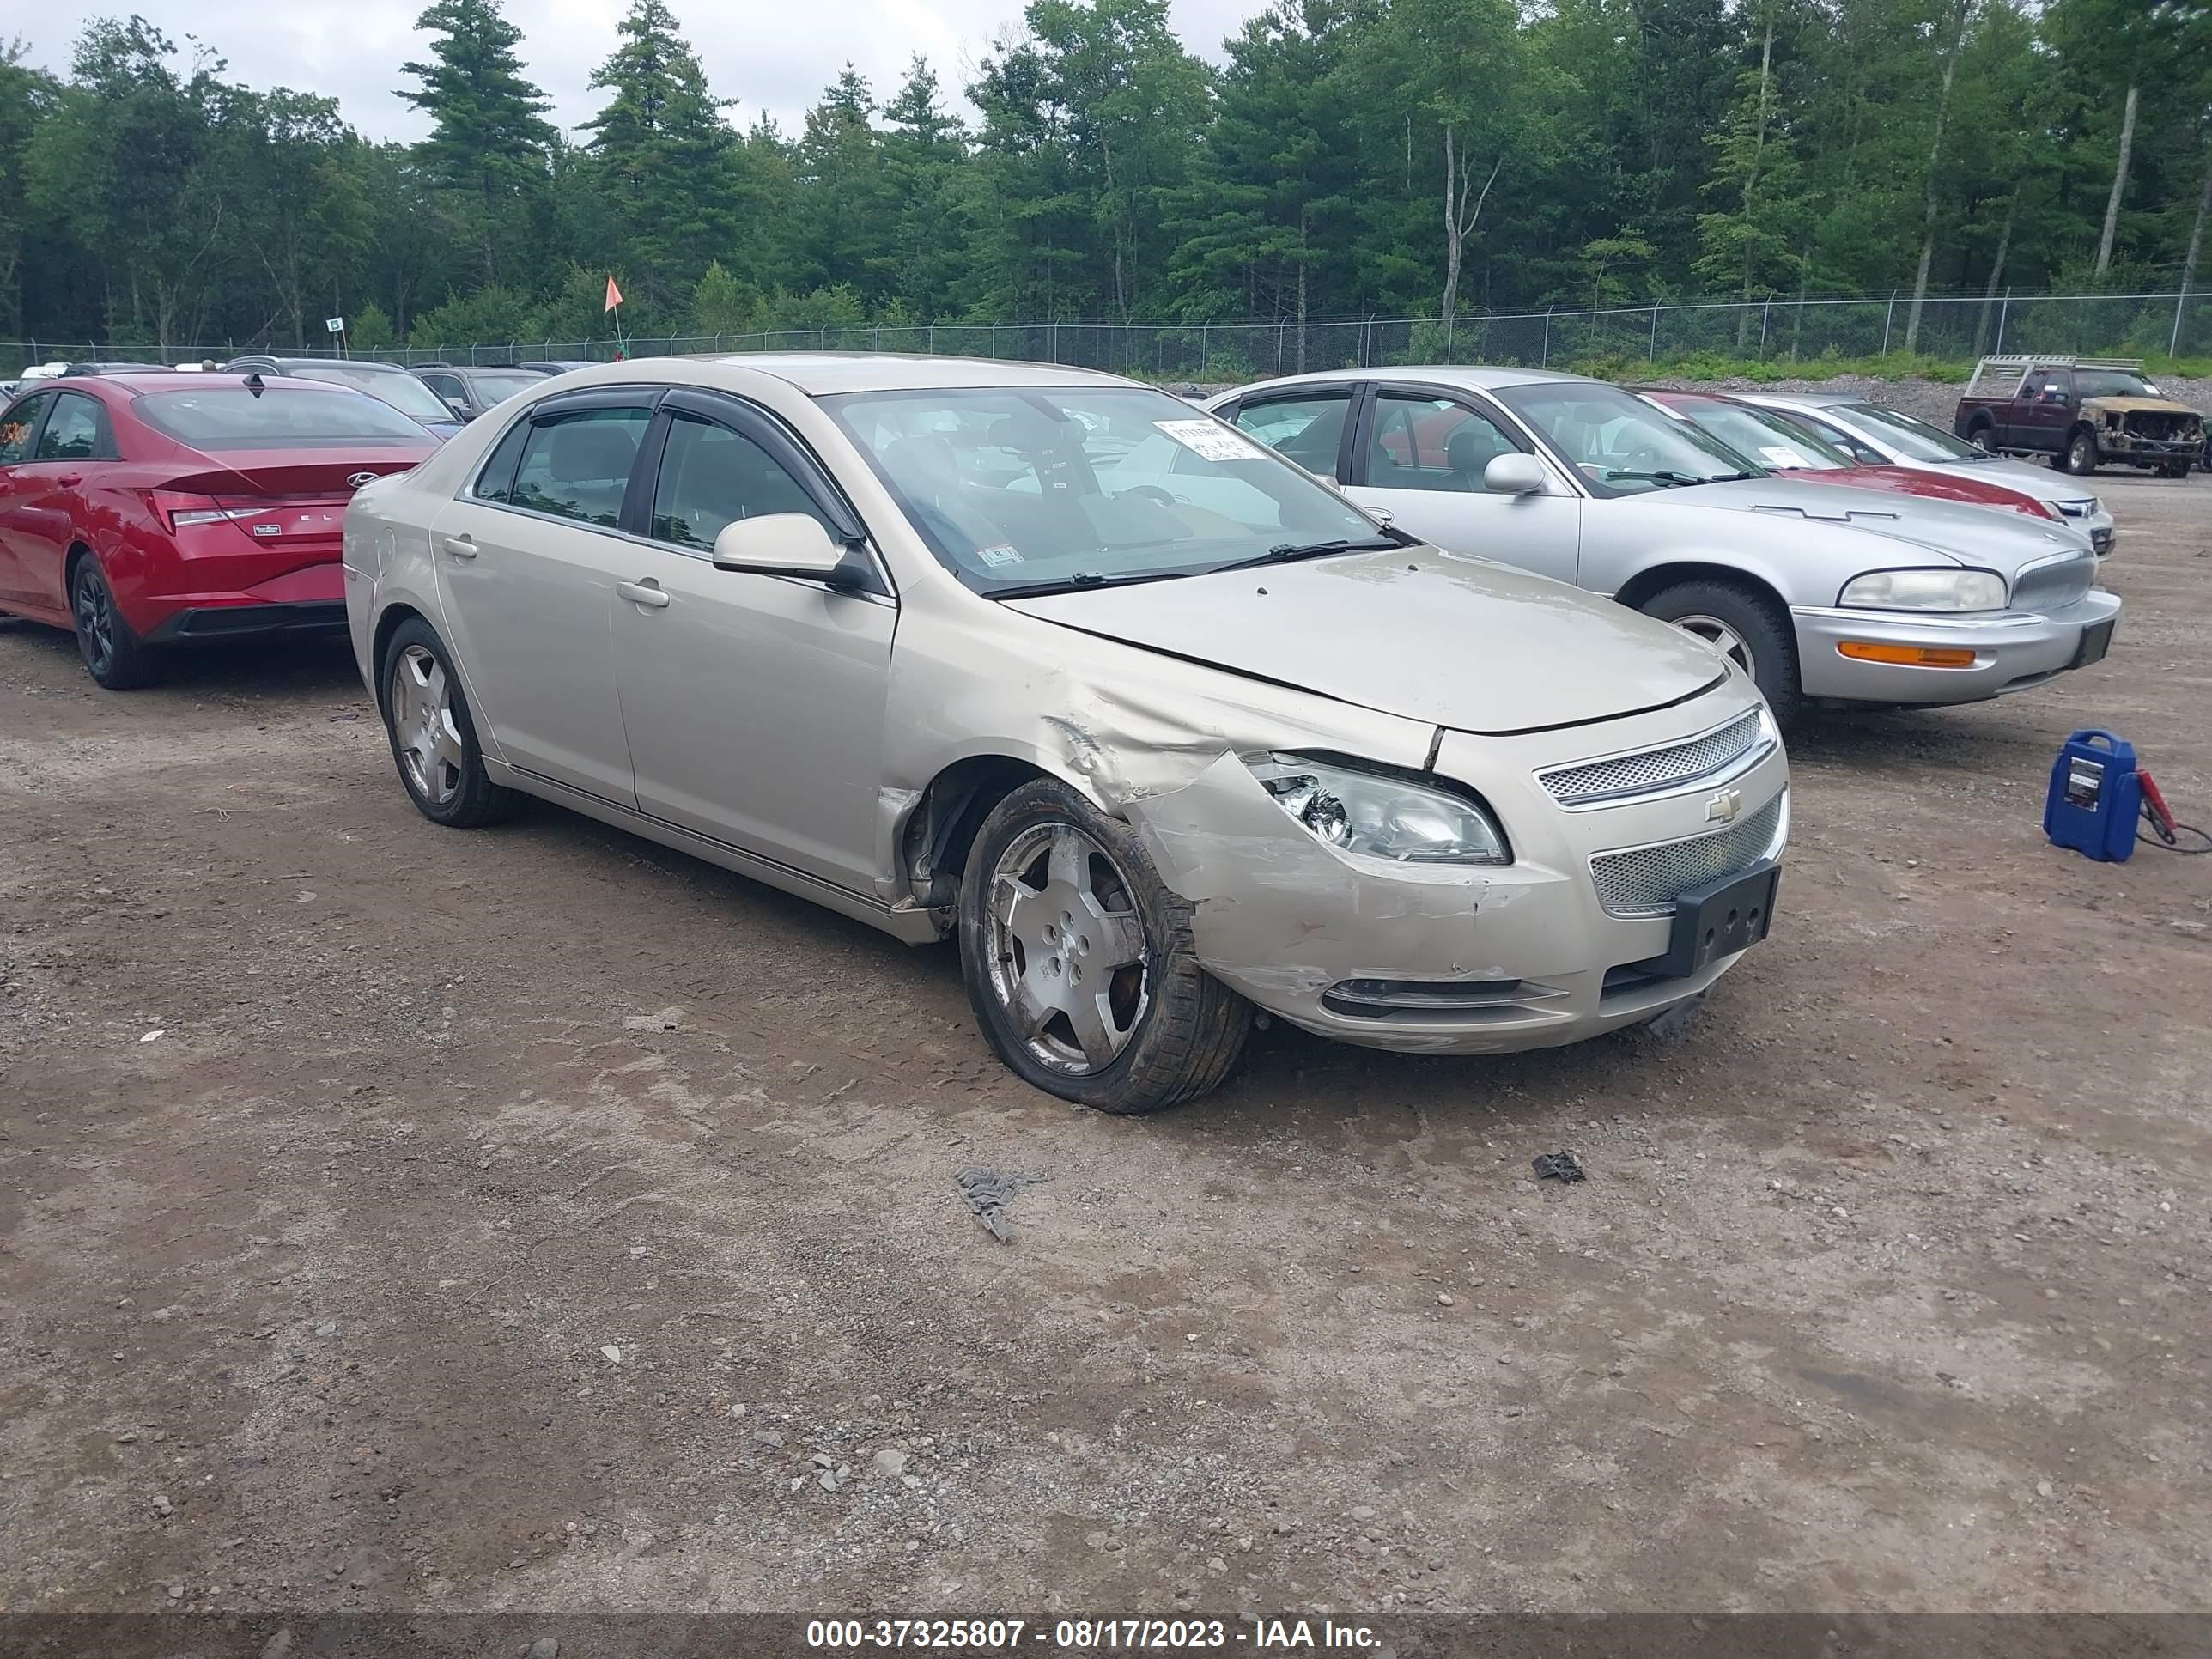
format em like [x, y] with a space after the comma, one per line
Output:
[2081, 413]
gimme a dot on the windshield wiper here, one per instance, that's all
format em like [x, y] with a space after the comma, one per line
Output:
[1080, 581]
[1676, 480]
[1292, 552]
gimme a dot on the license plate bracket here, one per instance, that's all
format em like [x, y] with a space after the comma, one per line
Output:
[2096, 641]
[1718, 920]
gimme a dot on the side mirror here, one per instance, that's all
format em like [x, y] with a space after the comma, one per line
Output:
[1514, 475]
[782, 545]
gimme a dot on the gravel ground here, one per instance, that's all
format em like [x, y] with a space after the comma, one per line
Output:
[536, 1218]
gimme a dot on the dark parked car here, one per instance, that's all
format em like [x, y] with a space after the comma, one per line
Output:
[558, 365]
[470, 389]
[387, 382]
[142, 509]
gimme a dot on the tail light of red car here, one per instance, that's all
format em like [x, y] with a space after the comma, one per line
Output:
[179, 511]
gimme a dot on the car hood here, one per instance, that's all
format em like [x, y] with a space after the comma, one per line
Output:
[1414, 632]
[2038, 481]
[2138, 405]
[1935, 486]
[1951, 532]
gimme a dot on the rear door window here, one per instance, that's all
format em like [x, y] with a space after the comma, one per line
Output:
[576, 465]
[76, 430]
[1308, 429]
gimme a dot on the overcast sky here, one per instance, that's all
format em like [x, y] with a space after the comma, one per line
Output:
[769, 55]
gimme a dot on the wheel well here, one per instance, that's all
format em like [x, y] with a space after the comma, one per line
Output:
[1979, 419]
[77, 554]
[946, 819]
[1645, 584]
[386, 626]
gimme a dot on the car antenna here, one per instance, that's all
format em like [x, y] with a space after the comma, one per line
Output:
[253, 383]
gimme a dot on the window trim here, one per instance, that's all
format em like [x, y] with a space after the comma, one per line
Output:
[1354, 393]
[759, 425]
[1474, 402]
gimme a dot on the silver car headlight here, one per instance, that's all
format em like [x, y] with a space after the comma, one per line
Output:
[1924, 590]
[2085, 507]
[1378, 814]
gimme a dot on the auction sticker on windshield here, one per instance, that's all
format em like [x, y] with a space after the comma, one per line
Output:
[1211, 440]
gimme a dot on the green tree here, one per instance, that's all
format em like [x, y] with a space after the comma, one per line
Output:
[488, 138]
[1751, 238]
[667, 155]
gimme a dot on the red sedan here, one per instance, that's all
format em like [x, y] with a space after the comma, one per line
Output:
[1772, 439]
[143, 510]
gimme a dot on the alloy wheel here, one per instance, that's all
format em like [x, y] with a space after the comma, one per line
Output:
[1722, 638]
[1068, 958]
[96, 619]
[423, 724]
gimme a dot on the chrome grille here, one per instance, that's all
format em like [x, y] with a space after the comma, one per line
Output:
[1645, 881]
[1654, 769]
[2055, 586]
[2082, 508]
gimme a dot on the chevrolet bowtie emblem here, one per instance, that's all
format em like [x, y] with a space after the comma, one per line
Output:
[1723, 807]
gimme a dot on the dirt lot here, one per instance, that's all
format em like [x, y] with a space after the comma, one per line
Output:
[401, 1219]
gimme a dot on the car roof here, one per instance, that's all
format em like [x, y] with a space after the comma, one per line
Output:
[819, 374]
[1473, 378]
[1807, 399]
[318, 362]
[173, 380]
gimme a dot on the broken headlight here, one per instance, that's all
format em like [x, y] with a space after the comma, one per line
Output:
[1380, 815]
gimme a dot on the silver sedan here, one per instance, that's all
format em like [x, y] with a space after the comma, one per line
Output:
[1821, 594]
[1878, 435]
[925, 641]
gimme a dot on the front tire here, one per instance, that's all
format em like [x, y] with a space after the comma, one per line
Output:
[433, 739]
[1079, 960]
[2175, 470]
[2079, 456]
[1744, 626]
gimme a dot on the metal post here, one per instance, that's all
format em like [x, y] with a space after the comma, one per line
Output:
[994, 342]
[2173, 346]
[2004, 307]
[1451, 327]
[1546, 362]
[1888, 320]
[932, 339]
[1205, 346]
[1652, 355]
[1765, 319]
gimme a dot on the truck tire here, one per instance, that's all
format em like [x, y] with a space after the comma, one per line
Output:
[1982, 433]
[2175, 470]
[1745, 626]
[2079, 456]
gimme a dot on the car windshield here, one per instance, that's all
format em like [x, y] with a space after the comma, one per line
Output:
[1029, 488]
[2111, 382]
[395, 386]
[280, 417]
[1619, 444]
[1774, 439]
[1901, 432]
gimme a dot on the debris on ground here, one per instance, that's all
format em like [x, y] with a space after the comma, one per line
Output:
[1559, 1166]
[989, 1191]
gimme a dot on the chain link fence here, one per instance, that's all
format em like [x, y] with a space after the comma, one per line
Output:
[1778, 331]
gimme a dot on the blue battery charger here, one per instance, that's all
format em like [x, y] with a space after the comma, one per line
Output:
[2096, 797]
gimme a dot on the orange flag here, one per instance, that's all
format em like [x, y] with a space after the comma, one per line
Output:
[614, 295]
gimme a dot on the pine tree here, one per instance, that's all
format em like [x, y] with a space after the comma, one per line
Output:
[490, 137]
[665, 151]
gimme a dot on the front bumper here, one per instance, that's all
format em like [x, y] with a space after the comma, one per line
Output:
[2013, 651]
[2128, 448]
[1451, 959]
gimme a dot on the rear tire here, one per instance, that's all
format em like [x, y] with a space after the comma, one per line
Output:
[117, 659]
[433, 737]
[2175, 470]
[1984, 436]
[2079, 456]
[1745, 626]
[1055, 889]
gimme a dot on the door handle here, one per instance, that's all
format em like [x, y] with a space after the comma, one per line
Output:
[463, 546]
[645, 593]
[69, 480]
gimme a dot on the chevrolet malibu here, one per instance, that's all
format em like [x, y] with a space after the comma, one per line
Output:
[898, 635]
